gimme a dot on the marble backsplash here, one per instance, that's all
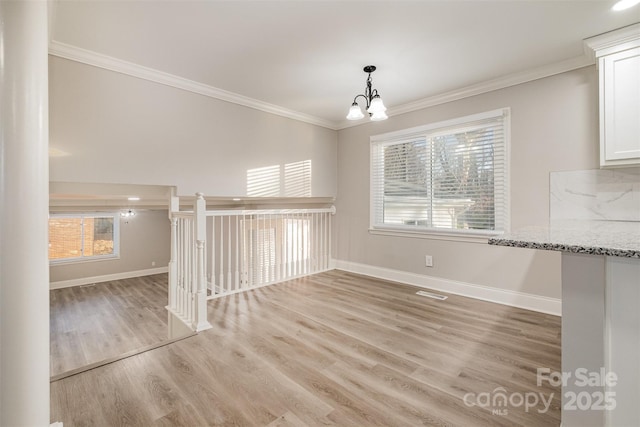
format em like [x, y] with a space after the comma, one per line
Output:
[609, 194]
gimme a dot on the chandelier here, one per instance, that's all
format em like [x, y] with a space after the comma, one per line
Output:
[374, 107]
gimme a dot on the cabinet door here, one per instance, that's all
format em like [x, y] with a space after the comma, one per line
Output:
[620, 108]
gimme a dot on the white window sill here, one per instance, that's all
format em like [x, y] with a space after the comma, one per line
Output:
[434, 235]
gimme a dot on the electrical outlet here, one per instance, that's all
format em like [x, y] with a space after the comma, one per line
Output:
[428, 261]
[153, 263]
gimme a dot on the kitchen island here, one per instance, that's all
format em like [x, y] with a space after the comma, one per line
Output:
[600, 317]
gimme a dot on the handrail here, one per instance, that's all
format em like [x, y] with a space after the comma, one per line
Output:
[233, 212]
[182, 214]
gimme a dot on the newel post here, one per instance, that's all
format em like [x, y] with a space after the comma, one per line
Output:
[174, 207]
[200, 303]
[173, 268]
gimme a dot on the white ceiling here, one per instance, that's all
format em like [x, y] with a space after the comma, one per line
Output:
[307, 56]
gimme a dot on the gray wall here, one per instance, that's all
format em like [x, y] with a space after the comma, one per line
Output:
[120, 129]
[554, 127]
[144, 238]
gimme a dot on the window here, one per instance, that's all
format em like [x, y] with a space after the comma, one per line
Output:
[80, 237]
[447, 177]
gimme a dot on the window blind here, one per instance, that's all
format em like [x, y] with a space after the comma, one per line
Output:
[443, 177]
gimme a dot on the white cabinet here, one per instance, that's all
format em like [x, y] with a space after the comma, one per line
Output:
[618, 55]
[620, 108]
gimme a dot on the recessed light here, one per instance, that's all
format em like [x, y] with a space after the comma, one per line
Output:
[625, 4]
[133, 199]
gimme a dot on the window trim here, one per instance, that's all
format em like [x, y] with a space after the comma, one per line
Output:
[476, 236]
[92, 258]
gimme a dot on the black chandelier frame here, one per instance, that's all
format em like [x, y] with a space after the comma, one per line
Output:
[369, 93]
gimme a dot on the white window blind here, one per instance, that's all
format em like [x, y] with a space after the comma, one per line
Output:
[444, 177]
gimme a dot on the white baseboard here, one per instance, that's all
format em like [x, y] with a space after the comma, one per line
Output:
[107, 278]
[501, 296]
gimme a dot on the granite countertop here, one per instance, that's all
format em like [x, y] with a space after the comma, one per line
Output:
[612, 238]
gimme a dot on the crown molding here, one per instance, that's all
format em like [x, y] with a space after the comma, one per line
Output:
[106, 62]
[110, 63]
[617, 40]
[484, 87]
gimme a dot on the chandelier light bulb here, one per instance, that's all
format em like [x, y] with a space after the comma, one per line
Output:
[378, 116]
[377, 106]
[355, 112]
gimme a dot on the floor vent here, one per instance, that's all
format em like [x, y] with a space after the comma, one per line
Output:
[430, 295]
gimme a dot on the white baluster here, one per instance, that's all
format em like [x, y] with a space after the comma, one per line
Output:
[243, 267]
[180, 266]
[181, 273]
[330, 219]
[237, 264]
[316, 235]
[272, 248]
[323, 232]
[283, 246]
[307, 244]
[222, 288]
[257, 253]
[188, 270]
[326, 241]
[250, 253]
[213, 255]
[298, 245]
[278, 247]
[292, 246]
[289, 263]
[267, 249]
[229, 255]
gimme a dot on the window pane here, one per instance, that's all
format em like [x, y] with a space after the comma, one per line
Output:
[98, 235]
[463, 187]
[65, 238]
[406, 180]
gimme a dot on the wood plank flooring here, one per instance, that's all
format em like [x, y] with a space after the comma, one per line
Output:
[89, 324]
[330, 349]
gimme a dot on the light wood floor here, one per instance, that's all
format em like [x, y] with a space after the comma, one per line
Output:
[92, 323]
[330, 349]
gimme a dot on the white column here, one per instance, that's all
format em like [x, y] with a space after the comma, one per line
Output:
[583, 335]
[24, 200]
[622, 340]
